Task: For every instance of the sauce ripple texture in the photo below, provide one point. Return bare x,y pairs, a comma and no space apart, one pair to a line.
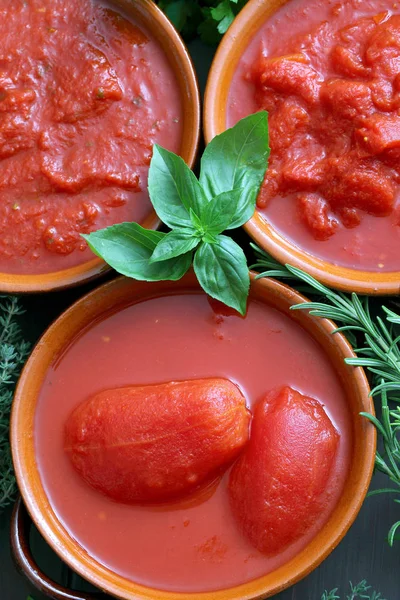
329,75
84,94
194,545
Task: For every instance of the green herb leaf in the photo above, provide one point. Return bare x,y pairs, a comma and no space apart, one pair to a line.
224,15
208,19
222,271
379,354
392,532
361,591
208,29
178,12
174,189
196,222
174,244
218,214
237,158
230,210
128,247
222,10
197,217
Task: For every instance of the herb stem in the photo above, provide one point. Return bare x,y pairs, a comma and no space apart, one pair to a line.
380,356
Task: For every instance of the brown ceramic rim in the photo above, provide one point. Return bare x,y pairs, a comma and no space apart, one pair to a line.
246,25
111,297
162,29
25,563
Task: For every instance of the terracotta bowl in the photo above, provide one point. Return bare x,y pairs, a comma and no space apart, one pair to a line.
115,295
146,12
249,21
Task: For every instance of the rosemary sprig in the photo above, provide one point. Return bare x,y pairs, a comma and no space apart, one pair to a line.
379,354
361,591
13,352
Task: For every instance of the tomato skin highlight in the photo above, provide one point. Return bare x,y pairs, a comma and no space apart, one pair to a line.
277,486
155,443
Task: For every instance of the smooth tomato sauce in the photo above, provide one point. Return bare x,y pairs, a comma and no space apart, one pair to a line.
84,94
190,546
328,74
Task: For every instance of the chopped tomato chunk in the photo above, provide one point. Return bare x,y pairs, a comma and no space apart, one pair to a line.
314,212
380,133
362,185
334,122
289,76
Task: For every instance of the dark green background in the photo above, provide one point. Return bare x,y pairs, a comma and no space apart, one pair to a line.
363,554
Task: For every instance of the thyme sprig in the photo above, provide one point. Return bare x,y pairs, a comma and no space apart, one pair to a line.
361,591
379,354
13,352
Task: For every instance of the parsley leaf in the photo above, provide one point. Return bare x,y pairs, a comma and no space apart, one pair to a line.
209,19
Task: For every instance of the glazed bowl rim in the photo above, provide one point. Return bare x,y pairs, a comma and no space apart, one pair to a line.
38,504
14,283
228,54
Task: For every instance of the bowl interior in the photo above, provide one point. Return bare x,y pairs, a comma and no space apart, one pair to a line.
148,14
249,21
118,294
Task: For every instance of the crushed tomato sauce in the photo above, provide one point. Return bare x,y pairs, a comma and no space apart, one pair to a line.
84,94
330,81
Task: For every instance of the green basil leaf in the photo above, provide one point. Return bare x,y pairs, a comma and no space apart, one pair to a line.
229,210
237,158
245,205
209,238
196,221
174,189
218,213
222,271
175,243
128,247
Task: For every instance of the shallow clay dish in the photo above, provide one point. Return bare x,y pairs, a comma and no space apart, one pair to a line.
146,12
246,25
116,295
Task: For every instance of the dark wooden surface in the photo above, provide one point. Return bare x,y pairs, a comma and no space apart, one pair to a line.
363,554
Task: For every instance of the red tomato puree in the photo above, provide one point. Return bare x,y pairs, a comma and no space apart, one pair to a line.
328,73
84,93
190,546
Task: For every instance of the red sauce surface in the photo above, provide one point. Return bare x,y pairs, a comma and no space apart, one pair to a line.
328,73
188,547
84,93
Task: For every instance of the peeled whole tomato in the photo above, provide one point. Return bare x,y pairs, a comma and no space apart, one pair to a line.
154,443
277,487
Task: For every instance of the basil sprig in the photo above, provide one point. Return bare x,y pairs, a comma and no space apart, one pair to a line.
197,211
